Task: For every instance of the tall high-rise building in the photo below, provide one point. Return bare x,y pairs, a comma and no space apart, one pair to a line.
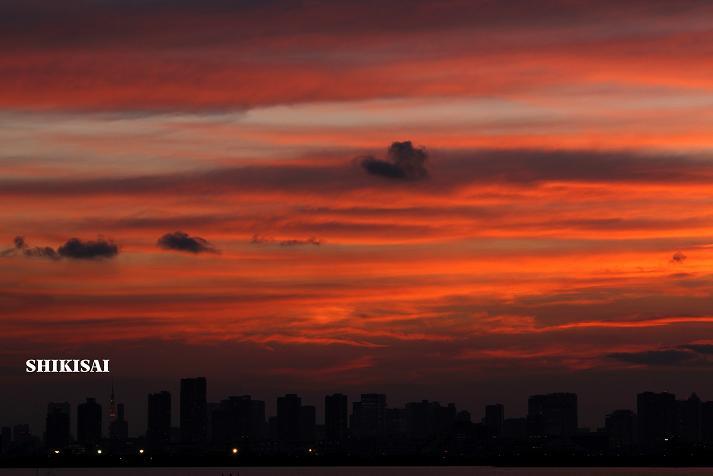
336,416
620,426
656,415
237,419
258,424
426,419
689,418
707,422
194,410
494,418
308,417
288,418
212,408
395,422
57,427
119,428
515,428
553,415
112,406
158,429
21,433
89,422
5,439
368,416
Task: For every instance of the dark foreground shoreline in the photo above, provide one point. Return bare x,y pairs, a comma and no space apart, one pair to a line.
662,461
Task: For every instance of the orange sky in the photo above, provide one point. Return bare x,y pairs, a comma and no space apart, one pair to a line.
563,226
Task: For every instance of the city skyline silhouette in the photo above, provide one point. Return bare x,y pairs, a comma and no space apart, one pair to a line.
367,427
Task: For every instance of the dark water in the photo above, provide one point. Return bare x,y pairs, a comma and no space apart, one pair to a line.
363,471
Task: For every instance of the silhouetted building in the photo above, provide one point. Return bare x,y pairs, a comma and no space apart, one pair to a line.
552,415
89,422
494,417
158,431
194,411
273,431
420,420
211,408
238,419
514,428
656,416
23,443
288,418
119,428
57,425
588,441
707,422
395,425
21,433
258,425
336,416
426,420
620,426
368,416
308,416
5,439
689,419
462,430
112,406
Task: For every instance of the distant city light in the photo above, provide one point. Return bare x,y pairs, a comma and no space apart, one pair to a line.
235,451
99,452
141,451
56,452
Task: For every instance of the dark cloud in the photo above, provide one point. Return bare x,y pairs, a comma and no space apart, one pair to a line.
41,252
682,355
181,241
75,248
383,168
404,161
35,251
657,357
22,248
8,252
678,257
704,349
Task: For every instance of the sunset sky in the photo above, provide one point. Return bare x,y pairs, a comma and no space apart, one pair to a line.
466,201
